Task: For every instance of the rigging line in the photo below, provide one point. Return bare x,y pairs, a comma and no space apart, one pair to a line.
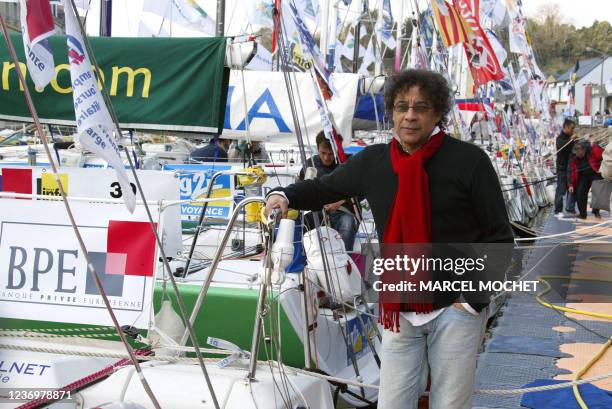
287,379
70,215
283,57
231,19
276,337
301,105
268,355
347,341
246,109
179,299
289,86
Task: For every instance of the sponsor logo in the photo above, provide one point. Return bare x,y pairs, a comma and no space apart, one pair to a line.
48,268
76,53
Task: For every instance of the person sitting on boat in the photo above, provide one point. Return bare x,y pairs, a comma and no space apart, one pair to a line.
583,171
215,151
564,145
423,187
240,152
341,214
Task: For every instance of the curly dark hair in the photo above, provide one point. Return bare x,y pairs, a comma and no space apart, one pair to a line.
432,86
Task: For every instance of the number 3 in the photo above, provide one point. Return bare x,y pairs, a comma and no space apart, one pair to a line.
117,193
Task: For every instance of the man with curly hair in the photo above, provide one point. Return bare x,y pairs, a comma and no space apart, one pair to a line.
423,187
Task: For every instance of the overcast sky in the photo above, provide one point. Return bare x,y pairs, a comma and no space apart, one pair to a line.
127,13
581,13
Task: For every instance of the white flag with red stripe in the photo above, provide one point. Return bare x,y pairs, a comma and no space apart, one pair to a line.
36,27
94,123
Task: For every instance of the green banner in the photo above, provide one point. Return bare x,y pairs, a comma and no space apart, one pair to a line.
154,83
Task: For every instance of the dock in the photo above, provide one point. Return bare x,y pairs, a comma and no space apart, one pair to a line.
527,341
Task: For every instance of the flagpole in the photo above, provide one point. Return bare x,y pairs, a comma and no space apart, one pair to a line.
398,36
167,268
90,266
356,38
220,18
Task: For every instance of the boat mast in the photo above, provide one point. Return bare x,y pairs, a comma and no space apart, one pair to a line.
379,43
220,18
324,4
106,17
356,41
398,39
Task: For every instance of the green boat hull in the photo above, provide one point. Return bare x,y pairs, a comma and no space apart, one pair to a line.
227,313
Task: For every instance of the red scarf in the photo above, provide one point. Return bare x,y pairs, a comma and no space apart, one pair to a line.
409,221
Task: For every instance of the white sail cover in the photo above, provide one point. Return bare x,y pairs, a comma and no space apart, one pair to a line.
269,110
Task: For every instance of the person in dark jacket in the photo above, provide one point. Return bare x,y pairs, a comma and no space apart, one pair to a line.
423,187
564,145
215,151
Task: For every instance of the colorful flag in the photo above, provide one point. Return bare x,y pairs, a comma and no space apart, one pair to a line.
261,12
517,37
309,47
492,13
388,23
418,59
453,29
427,28
94,124
496,45
481,57
182,12
307,13
36,27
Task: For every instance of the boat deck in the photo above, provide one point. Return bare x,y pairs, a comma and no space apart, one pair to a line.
528,341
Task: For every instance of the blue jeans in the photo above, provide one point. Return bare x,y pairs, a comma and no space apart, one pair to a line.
448,345
346,225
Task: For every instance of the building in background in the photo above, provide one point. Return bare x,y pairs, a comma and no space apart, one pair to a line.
590,95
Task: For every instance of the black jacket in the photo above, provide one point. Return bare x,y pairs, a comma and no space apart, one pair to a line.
467,204
564,150
209,153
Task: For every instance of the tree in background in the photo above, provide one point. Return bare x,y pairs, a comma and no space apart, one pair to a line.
558,44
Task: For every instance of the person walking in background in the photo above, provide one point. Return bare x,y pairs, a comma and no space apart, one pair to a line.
564,145
582,175
606,166
595,160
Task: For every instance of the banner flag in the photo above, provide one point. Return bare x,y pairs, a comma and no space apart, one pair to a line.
453,29
37,26
482,60
94,124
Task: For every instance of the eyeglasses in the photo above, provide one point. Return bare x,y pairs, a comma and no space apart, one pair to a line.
418,108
